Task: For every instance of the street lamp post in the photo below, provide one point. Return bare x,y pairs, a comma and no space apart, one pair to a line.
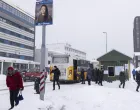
106,40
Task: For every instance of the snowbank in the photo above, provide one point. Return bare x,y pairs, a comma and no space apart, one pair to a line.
2,81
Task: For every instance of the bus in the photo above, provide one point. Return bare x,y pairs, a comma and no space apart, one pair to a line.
69,67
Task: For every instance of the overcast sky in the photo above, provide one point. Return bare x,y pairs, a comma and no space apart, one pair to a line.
82,23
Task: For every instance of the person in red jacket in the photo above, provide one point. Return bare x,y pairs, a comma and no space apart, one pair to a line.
15,84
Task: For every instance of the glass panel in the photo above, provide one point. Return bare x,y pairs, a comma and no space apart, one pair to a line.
60,59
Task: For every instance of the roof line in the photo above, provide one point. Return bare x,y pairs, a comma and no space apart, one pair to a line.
18,8
111,51
105,54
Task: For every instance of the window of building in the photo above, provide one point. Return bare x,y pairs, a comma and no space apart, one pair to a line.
137,20
1,4
6,41
139,58
16,25
22,57
13,10
15,34
4,6
138,42
1,40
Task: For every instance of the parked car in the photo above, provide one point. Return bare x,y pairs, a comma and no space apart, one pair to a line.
32,74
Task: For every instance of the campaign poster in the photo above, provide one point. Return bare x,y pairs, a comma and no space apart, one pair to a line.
44,12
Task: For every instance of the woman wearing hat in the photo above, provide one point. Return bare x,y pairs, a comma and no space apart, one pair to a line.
14,83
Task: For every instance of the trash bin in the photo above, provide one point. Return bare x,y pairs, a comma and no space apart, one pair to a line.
36,85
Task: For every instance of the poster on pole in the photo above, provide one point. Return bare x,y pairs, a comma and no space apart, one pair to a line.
44,12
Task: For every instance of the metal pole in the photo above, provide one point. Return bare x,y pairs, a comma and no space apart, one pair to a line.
106,40
43,55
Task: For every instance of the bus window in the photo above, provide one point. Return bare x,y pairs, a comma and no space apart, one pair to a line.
60,60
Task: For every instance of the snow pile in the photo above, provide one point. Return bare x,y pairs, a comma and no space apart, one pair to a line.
2,81
2,77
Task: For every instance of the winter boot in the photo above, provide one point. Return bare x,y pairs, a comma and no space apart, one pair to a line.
16,102
119,86
137,90
11,108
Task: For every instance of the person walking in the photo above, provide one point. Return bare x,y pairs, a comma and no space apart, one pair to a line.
93,75
96,75
122,78
89,76
101,75
82,76
138,80
57,73
15,84
134,74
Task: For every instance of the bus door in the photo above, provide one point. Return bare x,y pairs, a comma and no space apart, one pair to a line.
75,69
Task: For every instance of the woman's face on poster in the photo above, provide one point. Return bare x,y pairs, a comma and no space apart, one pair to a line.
43,10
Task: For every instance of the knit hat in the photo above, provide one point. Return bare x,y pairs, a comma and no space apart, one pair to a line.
10,68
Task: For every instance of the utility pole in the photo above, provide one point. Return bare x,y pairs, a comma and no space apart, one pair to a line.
106,40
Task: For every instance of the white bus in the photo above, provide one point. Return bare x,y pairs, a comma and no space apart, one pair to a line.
69,67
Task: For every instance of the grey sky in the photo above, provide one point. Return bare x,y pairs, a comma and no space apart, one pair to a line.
81,23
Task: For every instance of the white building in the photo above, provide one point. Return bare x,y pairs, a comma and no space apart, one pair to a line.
60,49
17,36
67,49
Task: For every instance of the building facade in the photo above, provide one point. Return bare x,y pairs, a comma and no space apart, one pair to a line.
67,49
17,37
59,49
113,63
136,41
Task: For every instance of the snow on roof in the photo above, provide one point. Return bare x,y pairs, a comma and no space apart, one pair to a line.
56,52
18,8
17,60
95,61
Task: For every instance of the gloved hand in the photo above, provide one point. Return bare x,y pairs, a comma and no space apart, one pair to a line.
22,89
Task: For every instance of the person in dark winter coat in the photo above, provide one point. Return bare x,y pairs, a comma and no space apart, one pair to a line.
134,74
89,76
122,78
37,85
96,75
138,80
101,75
82,76
57,73
93,75
15,84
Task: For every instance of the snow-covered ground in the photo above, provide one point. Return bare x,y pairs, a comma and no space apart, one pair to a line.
78,97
